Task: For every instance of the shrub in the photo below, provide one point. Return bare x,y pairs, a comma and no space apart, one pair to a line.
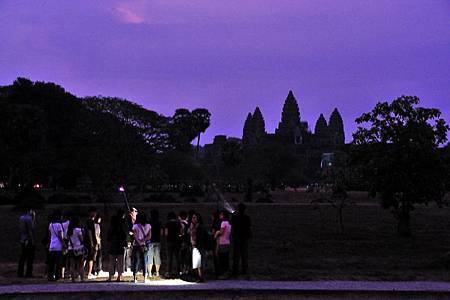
61,198
5,200
192,191
161,197
190,200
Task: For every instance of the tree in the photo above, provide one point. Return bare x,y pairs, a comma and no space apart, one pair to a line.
201,119
398,151
152,126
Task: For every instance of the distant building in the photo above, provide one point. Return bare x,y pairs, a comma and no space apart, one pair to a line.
291,129
315,151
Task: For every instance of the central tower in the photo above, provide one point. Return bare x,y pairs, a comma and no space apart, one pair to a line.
290,127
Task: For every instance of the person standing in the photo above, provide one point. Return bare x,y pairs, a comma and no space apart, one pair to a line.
130,220
142,233
56,247
185,244
98,265
90,242
27,242
198,236
64,259
75,247
241,233
223,240
154,247
172,232
117,238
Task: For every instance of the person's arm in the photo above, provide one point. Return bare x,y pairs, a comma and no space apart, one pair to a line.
149,234
221,231
29,225
80,237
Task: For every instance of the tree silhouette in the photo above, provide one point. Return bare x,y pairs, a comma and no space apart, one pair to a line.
398,150
201,119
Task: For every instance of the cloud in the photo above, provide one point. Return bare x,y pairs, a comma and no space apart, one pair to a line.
128,13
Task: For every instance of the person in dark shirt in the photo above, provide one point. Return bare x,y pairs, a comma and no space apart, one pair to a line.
241,233
129,220
198,235
172,232
27,242
185,244
90,242
154,251
117,240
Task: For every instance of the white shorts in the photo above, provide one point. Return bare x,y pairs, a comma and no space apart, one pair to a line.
196,259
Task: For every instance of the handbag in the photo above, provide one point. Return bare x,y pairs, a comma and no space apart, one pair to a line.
78,252
145,247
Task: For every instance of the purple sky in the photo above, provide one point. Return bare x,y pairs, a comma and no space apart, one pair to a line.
230,56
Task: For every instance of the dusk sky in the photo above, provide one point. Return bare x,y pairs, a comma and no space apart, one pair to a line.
231,56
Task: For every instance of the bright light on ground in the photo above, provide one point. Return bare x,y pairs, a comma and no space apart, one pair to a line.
166,282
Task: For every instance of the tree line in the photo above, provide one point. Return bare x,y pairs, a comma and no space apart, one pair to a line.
53,137
50,136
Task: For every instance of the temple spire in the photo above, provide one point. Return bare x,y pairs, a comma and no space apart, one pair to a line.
336,128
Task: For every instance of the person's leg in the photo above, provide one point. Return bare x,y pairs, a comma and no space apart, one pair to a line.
22,258
119,266
226,260
74,266
222,260
30,260
169,260
112,264
216,261
143,258
135,260
201,268
99,261
244,257
78,264
63,264
51,265
150,257
91,261
58,264
157,257
236,257
129,257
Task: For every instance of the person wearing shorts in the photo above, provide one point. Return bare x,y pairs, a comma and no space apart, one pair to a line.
154,247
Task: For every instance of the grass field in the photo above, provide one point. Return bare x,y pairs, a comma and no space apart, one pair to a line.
297,241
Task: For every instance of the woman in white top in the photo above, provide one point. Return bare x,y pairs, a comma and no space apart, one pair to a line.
75,254
55,248
142,234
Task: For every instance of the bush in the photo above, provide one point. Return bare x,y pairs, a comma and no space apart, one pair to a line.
161,197
84,199
61,198
29,198
266,198
192,191
5,200
190,200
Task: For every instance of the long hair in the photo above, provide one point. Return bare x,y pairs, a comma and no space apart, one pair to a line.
74,223
141,218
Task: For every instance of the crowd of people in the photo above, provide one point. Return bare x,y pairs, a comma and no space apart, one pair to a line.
135,243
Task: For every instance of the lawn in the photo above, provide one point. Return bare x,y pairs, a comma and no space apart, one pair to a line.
293,240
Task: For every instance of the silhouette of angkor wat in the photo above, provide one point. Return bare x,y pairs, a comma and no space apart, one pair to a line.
313,150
